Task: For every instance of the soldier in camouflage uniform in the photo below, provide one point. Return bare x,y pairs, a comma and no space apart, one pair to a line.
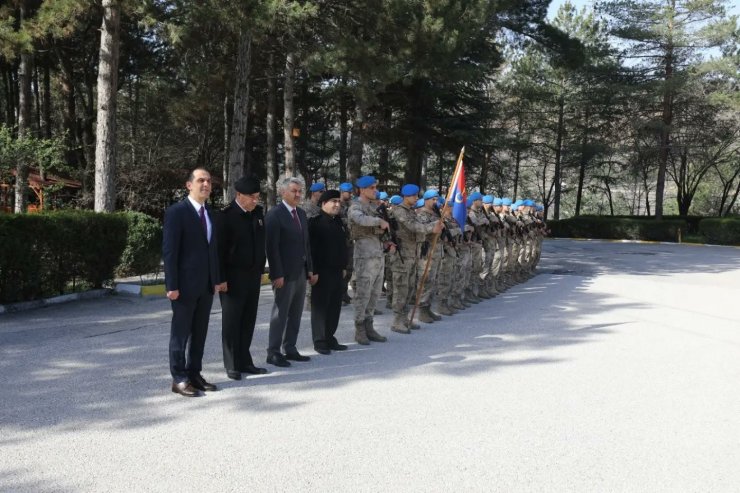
474,291
489,246
411,235
367,228
495,230
499,261
394,201
427,215
345,190
449,271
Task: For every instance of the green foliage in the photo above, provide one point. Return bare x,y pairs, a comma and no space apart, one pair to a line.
46,153
721,231
143,245
45,254
618,228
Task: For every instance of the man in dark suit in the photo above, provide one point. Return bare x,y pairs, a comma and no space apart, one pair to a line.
189,251
329,253
289,258
241,242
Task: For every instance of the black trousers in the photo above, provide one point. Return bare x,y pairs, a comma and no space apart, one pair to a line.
326,305
188,335
239,313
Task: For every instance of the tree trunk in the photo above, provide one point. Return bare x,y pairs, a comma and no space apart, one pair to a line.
665,131
105,148
36,100
239,122
46,103
384,154
518,154
343,131
485,167
9,84
558,158
24,122
582,162
289,114
272,167
357,141
440,172
227,143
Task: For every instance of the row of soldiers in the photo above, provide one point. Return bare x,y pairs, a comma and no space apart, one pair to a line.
394,240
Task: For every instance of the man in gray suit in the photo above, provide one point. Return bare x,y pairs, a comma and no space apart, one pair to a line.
289,257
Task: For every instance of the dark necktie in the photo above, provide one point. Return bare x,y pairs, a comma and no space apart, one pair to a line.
203,220
296,220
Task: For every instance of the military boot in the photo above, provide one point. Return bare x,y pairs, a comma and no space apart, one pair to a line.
411,325
425,315
399,324
458,305
443,308
370,331
361,334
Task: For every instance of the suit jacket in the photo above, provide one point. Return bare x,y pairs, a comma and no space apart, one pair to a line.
241,241
190,261
288,248
328,242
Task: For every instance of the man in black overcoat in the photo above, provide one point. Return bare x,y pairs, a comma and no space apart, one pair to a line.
242,262
329,253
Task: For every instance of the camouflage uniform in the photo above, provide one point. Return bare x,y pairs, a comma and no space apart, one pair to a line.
425,216
410,234
474,288
489,248
343,211
449,269
461,288
369,263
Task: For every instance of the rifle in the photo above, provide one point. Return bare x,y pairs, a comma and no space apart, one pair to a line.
446,232
476,231
392,228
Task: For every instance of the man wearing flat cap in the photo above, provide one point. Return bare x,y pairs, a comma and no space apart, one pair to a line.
242,262
329,253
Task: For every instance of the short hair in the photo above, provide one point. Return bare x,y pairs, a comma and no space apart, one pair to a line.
191,176
285,183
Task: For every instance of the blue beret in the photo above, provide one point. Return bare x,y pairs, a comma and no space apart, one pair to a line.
514,206
506,201
488,199
529,203
383,196
517,203
396,200
365,181
419,204
539,207
317,187
430,194
497,201
476,196
345,187
409,189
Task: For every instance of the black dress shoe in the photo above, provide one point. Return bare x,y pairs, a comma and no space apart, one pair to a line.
255,370
278,360
234,375
200,383
186,389
322,350
297,357
338,347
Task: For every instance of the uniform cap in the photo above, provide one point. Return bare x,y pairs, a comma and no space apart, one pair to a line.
506,201
430,194
329,195
345,187
383,196
498,201
409,189
419,204
514,206
476,196
247,185
488,199
317,187
365,181
529,203
396,200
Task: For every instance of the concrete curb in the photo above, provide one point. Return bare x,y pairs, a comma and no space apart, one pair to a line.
56,300
647,242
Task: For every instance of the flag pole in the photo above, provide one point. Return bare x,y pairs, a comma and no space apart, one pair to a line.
420,288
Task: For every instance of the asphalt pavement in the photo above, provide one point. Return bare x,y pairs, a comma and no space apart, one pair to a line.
616,368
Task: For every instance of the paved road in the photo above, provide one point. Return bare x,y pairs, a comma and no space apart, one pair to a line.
615,369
